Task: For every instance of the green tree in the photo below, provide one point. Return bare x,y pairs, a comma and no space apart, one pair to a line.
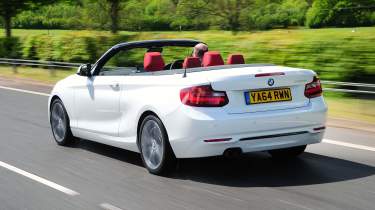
147,14
114,10
228,11
159,14
113,6
296,11
351,13
96,14
56,16
269,16
135,13
225,12
317,15
340,13
10,8
189,15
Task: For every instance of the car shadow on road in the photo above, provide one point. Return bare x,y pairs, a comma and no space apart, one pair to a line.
251,170
109,151
259,170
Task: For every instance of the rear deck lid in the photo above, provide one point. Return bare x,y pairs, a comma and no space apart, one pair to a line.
266,88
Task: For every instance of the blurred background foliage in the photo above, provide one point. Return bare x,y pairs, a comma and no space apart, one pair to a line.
335,53
146,15
300,33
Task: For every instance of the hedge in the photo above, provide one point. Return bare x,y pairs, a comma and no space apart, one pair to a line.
69,47
10,47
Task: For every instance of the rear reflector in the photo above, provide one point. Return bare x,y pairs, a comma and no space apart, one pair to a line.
270,74
203,96
319,128
217,140
314,88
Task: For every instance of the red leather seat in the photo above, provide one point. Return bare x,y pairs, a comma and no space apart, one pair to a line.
212,58
235,59
153,61
191,62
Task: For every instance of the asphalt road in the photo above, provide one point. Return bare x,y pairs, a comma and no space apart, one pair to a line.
327,176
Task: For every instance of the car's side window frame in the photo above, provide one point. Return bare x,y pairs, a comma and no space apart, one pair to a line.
100,64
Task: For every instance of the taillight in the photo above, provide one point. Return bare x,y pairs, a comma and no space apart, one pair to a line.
314,88
270,74
203,96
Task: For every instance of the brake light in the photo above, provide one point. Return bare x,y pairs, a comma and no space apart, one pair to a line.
217,140
203,96
314,88
270,74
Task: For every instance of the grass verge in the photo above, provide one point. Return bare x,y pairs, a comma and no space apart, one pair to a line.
37,74
351,109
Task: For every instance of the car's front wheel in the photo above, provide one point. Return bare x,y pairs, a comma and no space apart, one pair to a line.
60,125
287,152
156,152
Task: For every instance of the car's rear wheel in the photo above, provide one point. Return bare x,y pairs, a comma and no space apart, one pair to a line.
59,121
287,152
156,152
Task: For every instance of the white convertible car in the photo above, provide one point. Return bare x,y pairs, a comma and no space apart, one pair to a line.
133,99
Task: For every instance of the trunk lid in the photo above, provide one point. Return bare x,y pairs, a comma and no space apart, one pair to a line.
248,83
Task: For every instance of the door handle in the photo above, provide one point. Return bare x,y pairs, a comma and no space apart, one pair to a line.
115,86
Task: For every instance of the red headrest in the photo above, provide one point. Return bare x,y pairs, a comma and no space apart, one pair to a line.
212,58
191,62
235,59
153,61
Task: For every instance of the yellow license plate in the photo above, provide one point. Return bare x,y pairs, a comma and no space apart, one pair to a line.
268,96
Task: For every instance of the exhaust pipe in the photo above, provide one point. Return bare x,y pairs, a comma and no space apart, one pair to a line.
233,152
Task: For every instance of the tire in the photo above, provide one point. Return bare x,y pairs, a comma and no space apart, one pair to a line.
60,124
157,154
287,153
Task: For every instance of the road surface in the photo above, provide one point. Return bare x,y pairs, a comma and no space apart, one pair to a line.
35,173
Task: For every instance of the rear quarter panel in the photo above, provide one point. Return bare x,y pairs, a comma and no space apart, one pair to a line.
159,94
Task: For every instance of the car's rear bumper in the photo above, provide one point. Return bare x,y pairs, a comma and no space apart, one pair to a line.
251,132
203,149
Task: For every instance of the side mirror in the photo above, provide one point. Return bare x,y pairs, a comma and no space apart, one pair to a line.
85,70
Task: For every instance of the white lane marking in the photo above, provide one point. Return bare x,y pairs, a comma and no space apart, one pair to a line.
24,91
39,179
108,206
345,144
